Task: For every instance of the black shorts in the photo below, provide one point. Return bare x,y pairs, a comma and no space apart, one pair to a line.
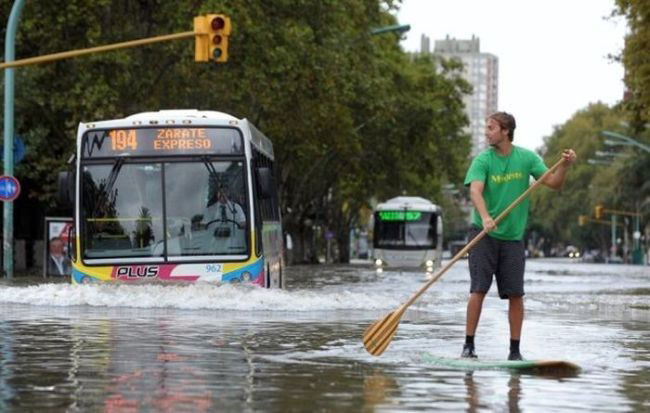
504,259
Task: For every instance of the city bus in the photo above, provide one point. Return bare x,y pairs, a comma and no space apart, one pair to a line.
407,233
174,195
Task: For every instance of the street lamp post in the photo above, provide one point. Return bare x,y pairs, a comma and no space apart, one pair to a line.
618,139
399,28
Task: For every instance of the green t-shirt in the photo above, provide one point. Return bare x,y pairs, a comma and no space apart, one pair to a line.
505,178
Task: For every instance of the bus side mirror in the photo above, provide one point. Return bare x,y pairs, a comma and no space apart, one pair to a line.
66,189
72,244
264,179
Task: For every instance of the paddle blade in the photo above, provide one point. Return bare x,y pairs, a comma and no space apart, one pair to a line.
377,337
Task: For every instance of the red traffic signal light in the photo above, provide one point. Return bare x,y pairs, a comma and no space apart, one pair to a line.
217,23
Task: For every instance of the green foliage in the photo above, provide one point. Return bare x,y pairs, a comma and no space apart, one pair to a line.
621,185
636,58
351,115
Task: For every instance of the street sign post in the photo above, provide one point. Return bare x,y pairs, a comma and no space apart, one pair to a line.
9,188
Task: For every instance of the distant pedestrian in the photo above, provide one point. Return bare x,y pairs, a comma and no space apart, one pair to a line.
496,177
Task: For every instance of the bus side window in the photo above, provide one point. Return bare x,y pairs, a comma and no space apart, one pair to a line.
431,236
264,182
257,206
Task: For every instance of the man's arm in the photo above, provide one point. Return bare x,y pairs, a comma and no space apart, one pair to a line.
556,179
476,195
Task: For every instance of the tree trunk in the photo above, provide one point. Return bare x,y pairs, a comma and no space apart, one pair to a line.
343,242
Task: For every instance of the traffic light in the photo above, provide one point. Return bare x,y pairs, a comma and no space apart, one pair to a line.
218,32
582,220
201,38
211,34
598,211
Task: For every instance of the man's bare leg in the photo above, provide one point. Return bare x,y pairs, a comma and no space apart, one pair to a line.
516,319
516,316
474,306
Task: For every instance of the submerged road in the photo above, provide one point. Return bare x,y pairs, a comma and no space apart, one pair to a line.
194,348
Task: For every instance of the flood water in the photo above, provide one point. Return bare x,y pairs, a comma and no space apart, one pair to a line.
201,348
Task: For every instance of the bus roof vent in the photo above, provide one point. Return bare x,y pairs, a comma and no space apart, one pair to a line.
164,115
407,202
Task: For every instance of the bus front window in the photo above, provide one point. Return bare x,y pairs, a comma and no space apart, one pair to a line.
405,231
122,210
421,233
206,208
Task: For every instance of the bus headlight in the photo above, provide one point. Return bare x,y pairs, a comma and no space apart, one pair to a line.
378,262
429,269
380,270
429,264
246,276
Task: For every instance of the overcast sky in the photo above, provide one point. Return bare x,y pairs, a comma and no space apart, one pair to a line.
552,54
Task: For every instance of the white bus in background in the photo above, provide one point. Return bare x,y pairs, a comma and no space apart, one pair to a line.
407,234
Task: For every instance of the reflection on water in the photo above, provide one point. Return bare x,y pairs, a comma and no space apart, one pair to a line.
376,390
204,348
474,396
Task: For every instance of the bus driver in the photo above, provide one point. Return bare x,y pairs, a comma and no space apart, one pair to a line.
224,210
225,220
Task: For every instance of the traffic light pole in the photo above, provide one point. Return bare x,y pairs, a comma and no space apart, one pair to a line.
98,49
8,207
599,211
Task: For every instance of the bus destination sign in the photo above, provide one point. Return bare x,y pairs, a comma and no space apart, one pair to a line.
161,142
400,215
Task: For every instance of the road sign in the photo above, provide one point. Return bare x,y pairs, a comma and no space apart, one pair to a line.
9,188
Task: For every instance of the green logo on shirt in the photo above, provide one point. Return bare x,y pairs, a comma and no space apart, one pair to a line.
500,179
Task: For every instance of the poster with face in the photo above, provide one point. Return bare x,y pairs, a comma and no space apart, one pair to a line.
57,261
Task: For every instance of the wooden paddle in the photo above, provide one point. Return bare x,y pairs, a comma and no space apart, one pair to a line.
379,334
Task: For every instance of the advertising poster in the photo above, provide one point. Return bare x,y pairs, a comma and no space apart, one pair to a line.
57,258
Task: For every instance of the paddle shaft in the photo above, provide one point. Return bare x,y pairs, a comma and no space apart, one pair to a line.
477,238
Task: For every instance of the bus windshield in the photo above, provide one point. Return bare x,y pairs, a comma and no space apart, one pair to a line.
405,230
164,210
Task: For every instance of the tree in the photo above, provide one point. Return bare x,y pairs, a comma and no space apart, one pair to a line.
636,59
351,116
556,214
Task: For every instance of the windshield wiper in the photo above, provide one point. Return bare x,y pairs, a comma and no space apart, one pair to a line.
108,188
210,167
417,243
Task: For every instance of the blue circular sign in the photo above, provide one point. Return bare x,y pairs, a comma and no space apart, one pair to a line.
9,188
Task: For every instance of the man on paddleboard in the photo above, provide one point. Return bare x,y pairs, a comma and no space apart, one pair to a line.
496,177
